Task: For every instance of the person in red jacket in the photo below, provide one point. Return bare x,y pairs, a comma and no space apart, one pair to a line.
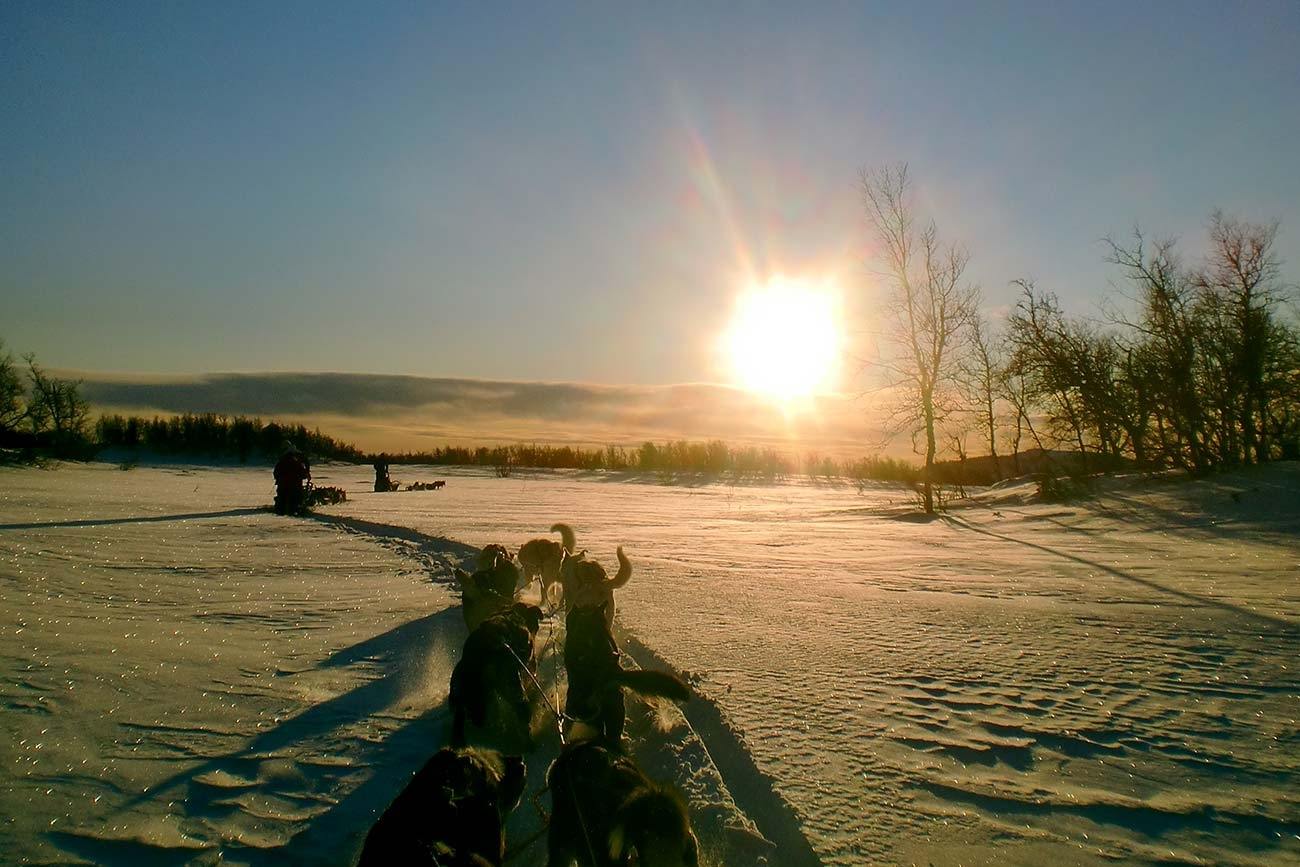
292,473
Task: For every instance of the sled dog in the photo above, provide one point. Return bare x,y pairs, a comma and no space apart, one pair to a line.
489,687
597,679
542,558
607,813
585,583
490,590
488,556
452,812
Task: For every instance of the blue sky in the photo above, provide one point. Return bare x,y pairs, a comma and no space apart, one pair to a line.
559,192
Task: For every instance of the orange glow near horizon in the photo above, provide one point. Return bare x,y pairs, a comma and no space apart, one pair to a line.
784,341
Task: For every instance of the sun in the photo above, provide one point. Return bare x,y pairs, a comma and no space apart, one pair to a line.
784,340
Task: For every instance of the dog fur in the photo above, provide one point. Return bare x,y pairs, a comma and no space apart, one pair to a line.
452,812
607,813
586,584
490,553
597,678
488,687
543,558
490,590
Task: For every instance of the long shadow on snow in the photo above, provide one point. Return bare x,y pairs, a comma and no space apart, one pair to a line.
1265,832
128,853
427,545
403,653
1280,522
340,830
140,519
1287,627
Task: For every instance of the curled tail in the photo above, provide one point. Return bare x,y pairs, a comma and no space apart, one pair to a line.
566,535
624,570
656,683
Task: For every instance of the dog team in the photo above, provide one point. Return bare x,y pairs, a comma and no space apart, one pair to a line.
605,812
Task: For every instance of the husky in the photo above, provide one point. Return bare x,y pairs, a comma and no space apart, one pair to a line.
607,813
597,679
490,554
585,583
490,590
543,558
488,684
452,812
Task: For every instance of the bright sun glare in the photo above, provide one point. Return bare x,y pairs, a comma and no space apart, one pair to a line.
784,340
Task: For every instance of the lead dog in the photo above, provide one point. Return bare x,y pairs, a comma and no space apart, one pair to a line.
452,812
607,813
542,558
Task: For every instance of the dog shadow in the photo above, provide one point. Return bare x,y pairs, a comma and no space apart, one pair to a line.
359,742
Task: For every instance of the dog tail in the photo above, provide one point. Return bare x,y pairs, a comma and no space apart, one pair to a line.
624,570
566,534
656,683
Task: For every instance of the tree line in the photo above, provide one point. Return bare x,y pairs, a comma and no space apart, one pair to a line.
45,415
713,457
1197,367
215,435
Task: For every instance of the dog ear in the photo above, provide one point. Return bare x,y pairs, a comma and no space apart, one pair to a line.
461,575
512,783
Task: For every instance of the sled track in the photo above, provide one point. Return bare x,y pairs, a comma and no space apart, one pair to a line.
752,790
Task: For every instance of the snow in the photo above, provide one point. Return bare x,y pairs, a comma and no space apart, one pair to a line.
1017,682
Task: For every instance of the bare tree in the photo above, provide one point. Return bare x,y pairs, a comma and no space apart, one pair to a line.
1070,369
1240,279
1016,390
930,306
56,406
12,408
1166,360
981,374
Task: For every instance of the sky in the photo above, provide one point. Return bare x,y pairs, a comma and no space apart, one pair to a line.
578,192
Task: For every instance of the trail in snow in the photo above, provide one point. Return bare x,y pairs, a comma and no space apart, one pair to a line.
1021,683
264,696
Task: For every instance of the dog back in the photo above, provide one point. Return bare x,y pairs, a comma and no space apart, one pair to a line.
605,809
451,812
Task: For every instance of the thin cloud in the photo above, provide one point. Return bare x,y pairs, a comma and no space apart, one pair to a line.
397,412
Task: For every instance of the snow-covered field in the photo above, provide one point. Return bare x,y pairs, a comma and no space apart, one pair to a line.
187,679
